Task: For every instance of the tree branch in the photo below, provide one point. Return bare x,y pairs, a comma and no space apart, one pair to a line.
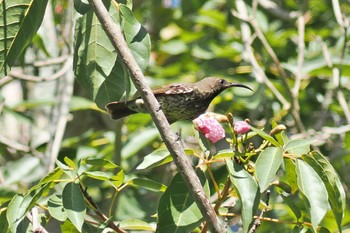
171,140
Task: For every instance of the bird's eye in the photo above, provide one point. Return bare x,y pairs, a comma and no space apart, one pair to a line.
222,81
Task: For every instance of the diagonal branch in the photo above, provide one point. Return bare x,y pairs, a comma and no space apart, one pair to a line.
171,140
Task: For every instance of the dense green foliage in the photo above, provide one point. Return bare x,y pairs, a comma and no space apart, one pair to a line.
67,167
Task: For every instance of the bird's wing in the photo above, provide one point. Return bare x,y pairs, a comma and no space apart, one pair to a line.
173,89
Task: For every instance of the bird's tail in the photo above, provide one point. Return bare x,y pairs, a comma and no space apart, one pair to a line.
118,110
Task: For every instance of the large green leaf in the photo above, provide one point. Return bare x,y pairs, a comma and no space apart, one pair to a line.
95,60
267,165
177,210
332,182
20,20
136,36
74,204
55,208
311,185
97,66
247,189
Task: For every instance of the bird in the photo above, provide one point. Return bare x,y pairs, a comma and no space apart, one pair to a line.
179,101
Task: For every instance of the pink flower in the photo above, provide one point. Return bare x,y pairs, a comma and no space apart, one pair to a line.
241,127
210,127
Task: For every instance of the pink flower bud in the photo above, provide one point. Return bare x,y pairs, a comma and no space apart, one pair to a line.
210,127
241,127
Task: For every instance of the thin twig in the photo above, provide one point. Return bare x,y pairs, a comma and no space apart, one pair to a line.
13,144
98,212
17,74
63,111
170,139
249,54
279,12
257,222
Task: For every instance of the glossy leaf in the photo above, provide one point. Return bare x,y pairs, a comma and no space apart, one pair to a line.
332,182
136,36
247,189
95,60
147,184
74,204
266,137
21,21
155,159
15,212
267,165
100,163
291,174
311,185
298,146
55,208
177,210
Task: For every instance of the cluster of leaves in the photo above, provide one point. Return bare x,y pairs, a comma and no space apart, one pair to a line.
190,41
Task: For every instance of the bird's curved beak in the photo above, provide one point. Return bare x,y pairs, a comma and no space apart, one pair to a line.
239,85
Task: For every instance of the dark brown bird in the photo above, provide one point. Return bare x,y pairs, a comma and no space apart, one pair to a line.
181,101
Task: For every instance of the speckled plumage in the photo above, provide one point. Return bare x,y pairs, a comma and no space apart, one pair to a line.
182,101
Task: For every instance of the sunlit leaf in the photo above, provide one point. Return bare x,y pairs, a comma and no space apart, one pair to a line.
314,190
332,182
147,184
267,165
21,20
247,189
298,146
177,210
74,204
55,208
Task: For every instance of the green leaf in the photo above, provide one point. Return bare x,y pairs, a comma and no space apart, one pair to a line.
290,202
15,212
116,179
136,36
139,141
291,174
100,163
298,146
135,225
332,182
267,165
226,153
74,204
55,208
266,137
95,60
78,103
147,184
68,227
21,20
177,210
4,226
311,185
247,189
20,205
155,159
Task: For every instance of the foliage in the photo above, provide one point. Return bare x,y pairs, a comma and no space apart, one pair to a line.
66,167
